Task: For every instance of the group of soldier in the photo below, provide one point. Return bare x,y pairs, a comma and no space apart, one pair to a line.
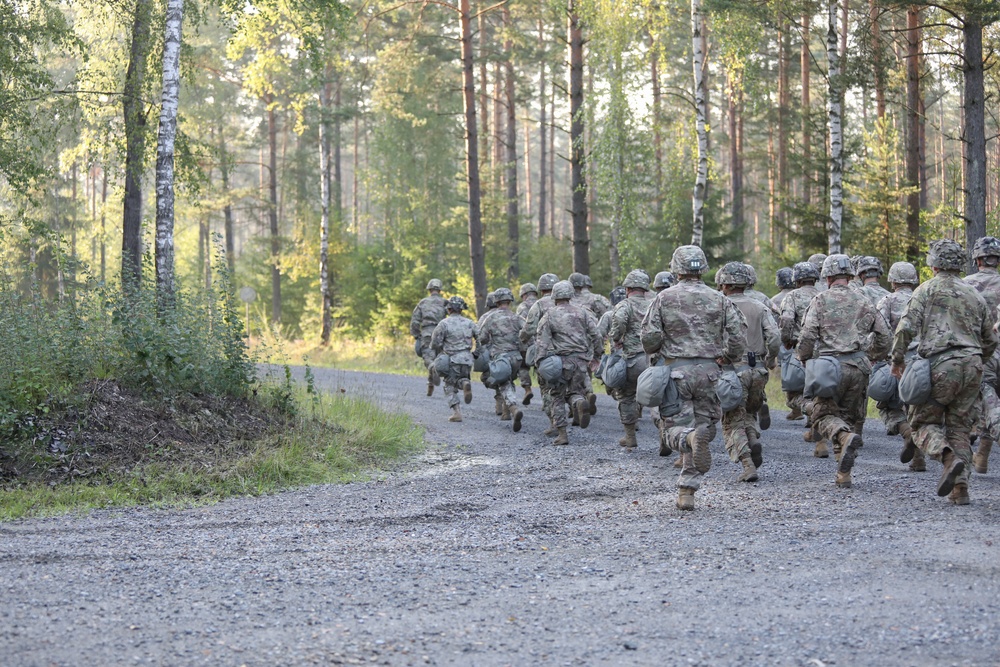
831,315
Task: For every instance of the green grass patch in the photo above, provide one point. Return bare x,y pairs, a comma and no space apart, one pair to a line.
776,397
378,355
331,439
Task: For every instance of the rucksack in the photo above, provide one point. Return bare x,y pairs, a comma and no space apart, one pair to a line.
822,377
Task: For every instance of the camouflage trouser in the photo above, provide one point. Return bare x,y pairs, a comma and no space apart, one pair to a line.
506,391
793,399
453,380
739,426
846,410
948,419
990,422
569,391
628,409
892,413
427,354
524,375
696,387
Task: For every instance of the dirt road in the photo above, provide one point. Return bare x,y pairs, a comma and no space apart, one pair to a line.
495,548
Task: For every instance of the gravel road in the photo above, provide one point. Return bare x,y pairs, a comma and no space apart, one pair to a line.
494,548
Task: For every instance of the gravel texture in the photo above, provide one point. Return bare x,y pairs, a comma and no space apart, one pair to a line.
494,548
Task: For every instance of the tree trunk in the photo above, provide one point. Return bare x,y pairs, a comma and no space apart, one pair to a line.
326,196
104,224
476,255
581,242
167,135
484,110
877,64
272,210
654,72
528,195
513,217
355,223
701,119
805,62
833,108
543,144
735,175
338,174
499,133
227,209
784,103
913,131
974,136
135,141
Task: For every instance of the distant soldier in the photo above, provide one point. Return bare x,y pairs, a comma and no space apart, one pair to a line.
426,316
663,280
793,313
986,253
499,334
954,329
903,278
869,271
529,333
842,323
693,328
817,261
784,281
453,336
754,294
491,306
625,333
599,304
739,426
618,294
528,295
569,332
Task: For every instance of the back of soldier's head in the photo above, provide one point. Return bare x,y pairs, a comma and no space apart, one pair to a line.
805,272
689,260
547,281
784,278
903,273
946,255
986,251
563,290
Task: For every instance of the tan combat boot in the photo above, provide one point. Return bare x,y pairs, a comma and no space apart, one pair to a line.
756,452
518,416
701,456
960,494
591,404
665,448
430,388
980,460
628,441
807,435
467,391
919,463
528,395
821,451
499,406
505,413
844,480
953,467
551,431
794,415
764,417
434,377
685,499
850,443
582,410
563,438
456,415
749,469
909,447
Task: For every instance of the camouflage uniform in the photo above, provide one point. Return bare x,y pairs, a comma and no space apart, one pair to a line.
625,333
690,326
986,254
843,324
784,280
793,313
870,269
453,336
528,298
426,316
954,328
500,335
529,331
571,333
903,276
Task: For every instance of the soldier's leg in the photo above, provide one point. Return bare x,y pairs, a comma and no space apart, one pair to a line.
524,377
854,397
989,430
734,434
693,428
963,414
428,356
793,399
578,380
628,412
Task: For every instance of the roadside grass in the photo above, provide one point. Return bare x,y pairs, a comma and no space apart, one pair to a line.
776,397
378,355
330,439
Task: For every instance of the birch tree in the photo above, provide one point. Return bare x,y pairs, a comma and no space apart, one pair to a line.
167,135
135,142
701,120
581,241
833,108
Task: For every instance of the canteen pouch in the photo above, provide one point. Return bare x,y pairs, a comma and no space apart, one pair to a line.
793,374
656,389
882,386
729,389
550,369
822,377
915,385
442,364
501,371
615,373
529,355
418,347
482,360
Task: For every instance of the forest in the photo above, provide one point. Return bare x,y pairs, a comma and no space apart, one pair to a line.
334,156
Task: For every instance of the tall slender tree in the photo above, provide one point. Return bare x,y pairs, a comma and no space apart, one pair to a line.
167,136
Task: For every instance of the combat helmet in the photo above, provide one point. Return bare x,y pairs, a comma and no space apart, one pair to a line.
663,280
587,282
817,260
903,273
805,271
563,290
434,283
546,281
617,295
867,265
503,294
689,260
751,274
577,279
491,301
837,265
784,278
456,304
988,246
527,288
733,273
636,279
946,255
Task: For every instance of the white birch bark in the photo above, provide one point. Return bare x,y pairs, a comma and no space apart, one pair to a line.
701,118
325,202
166,137
834,108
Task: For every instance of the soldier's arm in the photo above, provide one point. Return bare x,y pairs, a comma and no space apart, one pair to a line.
881,340
651,332
786,322
544,338
989,335
596,340
619,322
809,334
415,321
772,337
735,327
531,324
909,326
437,338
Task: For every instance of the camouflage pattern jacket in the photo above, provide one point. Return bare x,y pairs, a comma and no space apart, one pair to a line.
529,332
569,331
453,336
499,332
793,313
426,316
777,299
892,306
762,334
949,317
626,324
595,303
874,293
842,321
525,306
763,298
692,320
987,283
